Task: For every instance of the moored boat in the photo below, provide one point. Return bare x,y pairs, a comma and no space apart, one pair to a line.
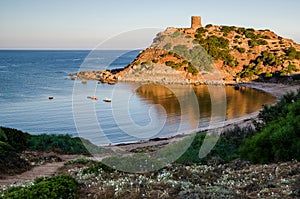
107,99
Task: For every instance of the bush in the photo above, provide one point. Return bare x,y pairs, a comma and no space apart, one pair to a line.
208,25
241,50
175,34
227,147
265,37
279,136
250,34
217,48
192,69
167,46
268,58
60,143
15,138
78,161
62,186
181,50
173,65
97,168
200,31
268,75
227,29
261,42
291,68
250,70
155,61
241,31
292,53
147,63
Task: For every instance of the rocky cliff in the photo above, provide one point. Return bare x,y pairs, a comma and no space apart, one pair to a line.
209,54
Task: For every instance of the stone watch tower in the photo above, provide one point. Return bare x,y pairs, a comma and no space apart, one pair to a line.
196,22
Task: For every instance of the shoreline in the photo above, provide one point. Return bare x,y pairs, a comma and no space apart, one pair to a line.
275,89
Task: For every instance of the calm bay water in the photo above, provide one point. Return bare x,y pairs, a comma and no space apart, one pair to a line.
137,112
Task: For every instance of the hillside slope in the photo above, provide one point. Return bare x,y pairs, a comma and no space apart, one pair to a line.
210,53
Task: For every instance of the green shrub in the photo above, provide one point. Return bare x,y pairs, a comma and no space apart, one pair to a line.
15,138
155,61
279,139
137,63
181,50
227,147
291,68
216,47
62,186
268,58
241,31
261,42
250,35
170,63
78,161
252,43
192,69
208,25
174,65
199,57
250,70
167,46
3,136
241,50
175,34
280,109
201,30
147,63
265,37
60,143
292,53
227,29
268,75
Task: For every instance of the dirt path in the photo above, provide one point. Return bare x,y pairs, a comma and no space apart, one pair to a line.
39,171
44,170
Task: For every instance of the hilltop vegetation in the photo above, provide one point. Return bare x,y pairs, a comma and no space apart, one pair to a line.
239,53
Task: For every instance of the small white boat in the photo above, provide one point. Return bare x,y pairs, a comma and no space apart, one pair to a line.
107,99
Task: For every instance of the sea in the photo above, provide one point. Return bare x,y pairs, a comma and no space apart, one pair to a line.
137,111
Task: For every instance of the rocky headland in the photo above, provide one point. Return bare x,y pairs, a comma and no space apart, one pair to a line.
212,54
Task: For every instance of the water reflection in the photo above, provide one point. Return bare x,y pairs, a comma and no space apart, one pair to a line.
141,112
239,102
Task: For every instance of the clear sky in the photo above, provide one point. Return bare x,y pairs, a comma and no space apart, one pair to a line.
83,24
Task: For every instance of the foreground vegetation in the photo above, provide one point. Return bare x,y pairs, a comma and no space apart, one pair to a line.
13,142
227,172
62,186
276,139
